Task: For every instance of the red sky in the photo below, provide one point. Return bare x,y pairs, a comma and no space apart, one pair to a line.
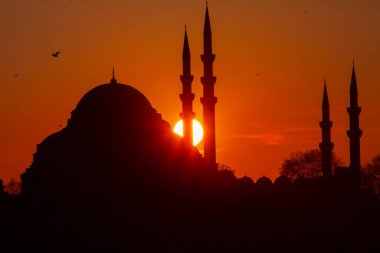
271,59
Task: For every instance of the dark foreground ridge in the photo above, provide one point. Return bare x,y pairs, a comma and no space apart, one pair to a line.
116,179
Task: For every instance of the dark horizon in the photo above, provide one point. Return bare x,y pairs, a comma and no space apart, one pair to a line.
270,71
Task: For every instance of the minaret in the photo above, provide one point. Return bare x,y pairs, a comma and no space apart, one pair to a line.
326,145
355,132
208,100
187,96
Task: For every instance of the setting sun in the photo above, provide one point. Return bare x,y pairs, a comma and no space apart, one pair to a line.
197,131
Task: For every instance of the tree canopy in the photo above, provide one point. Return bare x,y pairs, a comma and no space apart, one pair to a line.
305,164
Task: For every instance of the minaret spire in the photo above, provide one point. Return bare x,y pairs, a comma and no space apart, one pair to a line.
326,145
113,79
353,88
354,133
208,100
187,96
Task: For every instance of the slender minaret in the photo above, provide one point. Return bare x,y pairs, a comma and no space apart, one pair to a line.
355,132
187,96
208,100
326,145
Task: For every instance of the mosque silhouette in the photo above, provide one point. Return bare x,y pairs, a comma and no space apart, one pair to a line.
117,179
113,139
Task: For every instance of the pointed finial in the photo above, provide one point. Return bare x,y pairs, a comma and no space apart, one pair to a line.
353,85
186,48
353,76
325,99
353,67
113,80
207,26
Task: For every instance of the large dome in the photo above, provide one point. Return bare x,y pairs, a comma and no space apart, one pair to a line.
114,140
116,93
111,102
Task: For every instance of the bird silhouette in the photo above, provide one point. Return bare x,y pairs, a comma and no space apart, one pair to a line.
55,54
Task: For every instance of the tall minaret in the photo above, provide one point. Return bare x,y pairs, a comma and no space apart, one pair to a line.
355,132
326,145
208,100
187,96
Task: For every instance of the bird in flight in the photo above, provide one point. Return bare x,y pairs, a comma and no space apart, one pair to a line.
55,54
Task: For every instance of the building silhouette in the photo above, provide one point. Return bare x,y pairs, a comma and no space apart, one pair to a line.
208,100
187,96
326,145
117,179
349,176
114,141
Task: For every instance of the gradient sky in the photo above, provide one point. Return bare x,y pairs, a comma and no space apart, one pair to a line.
271,59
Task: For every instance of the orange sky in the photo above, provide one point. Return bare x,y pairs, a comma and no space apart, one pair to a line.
271,58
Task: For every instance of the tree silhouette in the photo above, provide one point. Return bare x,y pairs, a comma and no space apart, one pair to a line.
306,164
374,165
13,187
224,167
371,175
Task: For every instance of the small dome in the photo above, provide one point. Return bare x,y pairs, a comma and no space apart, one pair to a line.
263,181
245,180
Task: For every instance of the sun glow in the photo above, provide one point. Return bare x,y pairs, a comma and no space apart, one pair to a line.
197,131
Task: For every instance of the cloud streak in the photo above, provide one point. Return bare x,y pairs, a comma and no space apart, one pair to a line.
264,139
279,135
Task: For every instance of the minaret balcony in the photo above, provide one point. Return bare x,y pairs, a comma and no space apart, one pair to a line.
208,58
209,100
185,79
354,110
208,80
355,133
